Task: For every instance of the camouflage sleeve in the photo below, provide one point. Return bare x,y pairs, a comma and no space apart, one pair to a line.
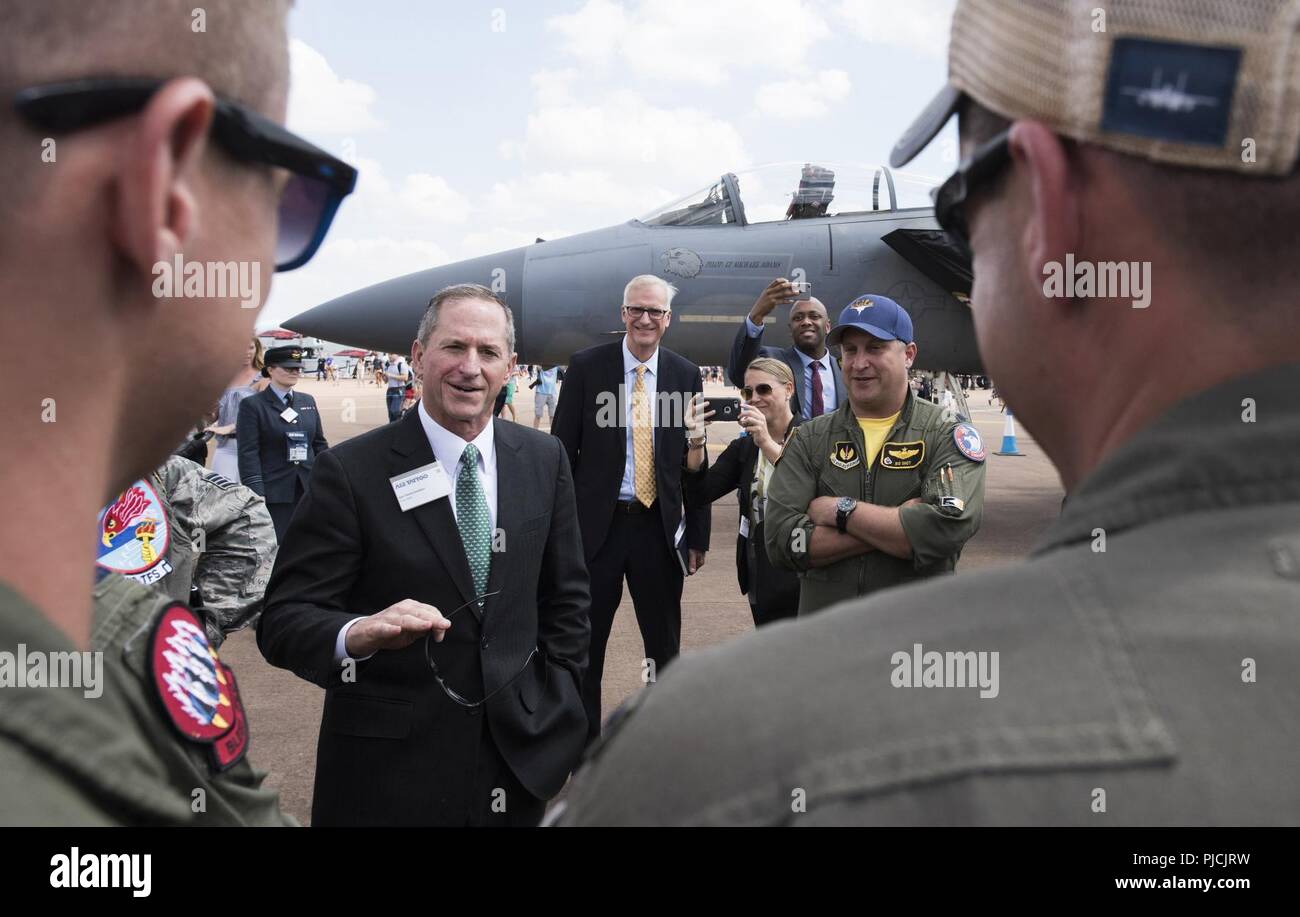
231,529
949,512
786,526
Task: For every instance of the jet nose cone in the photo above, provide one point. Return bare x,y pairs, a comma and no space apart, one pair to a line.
385,316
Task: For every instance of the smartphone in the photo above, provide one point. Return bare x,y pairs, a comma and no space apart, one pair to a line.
802,290
725,409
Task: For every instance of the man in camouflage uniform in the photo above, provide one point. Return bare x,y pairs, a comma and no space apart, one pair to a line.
220,544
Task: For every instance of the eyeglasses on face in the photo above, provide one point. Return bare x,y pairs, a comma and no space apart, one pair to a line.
762,390
317,184
637,311
980,167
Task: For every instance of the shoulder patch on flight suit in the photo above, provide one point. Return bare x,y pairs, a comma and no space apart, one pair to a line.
902,456
135,535
968,441
197,692
844,455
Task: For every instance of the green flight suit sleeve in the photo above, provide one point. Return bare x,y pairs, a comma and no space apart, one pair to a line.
786,526
937,528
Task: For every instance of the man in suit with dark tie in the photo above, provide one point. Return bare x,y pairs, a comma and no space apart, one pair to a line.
432,582
622,419
280,434
818,383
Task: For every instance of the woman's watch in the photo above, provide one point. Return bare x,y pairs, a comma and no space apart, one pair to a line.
844,508
697,443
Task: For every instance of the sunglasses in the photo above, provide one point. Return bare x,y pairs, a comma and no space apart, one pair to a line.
452,693
762,390
980,167
317,184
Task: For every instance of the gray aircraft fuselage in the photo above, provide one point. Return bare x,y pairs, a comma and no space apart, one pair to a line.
565,294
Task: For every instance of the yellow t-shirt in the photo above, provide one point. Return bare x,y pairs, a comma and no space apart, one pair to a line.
874,432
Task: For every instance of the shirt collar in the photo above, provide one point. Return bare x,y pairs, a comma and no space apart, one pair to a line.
280,392
448,446
1197,456
805,359
630,363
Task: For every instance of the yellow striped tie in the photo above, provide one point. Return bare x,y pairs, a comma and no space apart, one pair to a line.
643,450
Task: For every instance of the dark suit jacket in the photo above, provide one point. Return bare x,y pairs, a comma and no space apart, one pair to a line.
264,465
734,472
393,748
598,449
745,350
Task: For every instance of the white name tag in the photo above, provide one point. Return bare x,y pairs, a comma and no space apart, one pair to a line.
289,415
418,487
744,526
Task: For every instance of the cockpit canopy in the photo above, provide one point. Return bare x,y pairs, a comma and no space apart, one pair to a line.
796,191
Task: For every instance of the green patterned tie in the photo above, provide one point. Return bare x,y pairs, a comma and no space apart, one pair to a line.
473,520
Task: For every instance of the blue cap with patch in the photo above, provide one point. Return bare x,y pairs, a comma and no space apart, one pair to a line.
1212,85
878,316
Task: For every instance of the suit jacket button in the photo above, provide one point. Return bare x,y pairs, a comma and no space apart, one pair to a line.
484,644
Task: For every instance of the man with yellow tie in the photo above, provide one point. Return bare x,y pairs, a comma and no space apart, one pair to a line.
622,418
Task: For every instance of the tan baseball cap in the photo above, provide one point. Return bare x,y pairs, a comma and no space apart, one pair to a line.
1213,84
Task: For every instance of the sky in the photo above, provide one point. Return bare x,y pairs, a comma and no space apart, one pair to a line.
481,126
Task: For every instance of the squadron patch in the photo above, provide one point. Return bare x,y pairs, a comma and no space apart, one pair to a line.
844,455
968,442
902,456
134,535
196,690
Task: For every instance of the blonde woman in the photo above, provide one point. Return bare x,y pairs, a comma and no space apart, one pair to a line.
745,467
248,381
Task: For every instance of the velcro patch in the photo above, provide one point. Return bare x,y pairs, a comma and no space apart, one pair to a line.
968,442
844,455
902,456
195,689
1170,91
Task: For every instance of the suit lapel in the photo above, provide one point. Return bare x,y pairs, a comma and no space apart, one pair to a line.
840,394
512,496
796,366
614,379
435,518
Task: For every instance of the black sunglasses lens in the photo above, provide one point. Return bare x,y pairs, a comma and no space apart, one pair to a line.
302,207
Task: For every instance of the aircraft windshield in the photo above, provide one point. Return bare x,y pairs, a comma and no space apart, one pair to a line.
799,191
710,205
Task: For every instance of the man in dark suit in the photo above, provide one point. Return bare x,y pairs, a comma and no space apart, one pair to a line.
280,435
432,582
622,419
818,383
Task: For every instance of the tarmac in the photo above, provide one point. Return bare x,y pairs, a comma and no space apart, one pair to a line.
1022,497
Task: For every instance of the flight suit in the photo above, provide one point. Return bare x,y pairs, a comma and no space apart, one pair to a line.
826,457
207,531
276,454
1148,658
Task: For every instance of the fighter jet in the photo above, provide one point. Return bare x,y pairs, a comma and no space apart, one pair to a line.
847,230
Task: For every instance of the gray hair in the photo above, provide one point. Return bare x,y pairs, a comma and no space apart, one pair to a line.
463,291
651,280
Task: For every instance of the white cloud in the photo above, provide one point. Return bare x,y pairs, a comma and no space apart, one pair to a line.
918,25
798,100
689,42
322,102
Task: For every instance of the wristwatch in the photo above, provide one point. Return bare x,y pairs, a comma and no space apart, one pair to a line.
844,508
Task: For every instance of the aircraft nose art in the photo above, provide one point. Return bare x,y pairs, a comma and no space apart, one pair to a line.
385,316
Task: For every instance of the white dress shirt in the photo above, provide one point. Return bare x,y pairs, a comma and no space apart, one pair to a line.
829,401
627,490
448,448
